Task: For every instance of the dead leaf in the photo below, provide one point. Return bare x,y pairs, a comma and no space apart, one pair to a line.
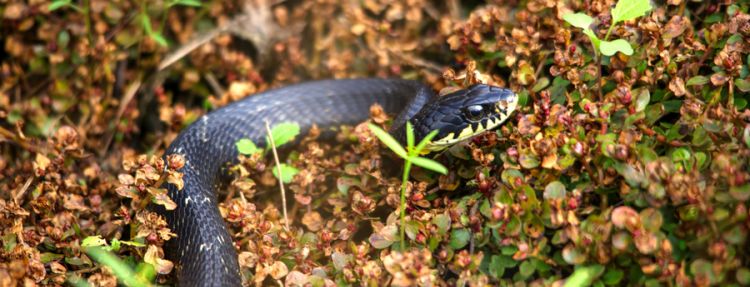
677,86
154,256
313,221
278,270
14,11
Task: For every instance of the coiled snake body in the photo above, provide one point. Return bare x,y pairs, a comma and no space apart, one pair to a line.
203,248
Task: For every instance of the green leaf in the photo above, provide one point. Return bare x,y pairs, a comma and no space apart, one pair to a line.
592,36
527,268
734,39
159,38
508,250
613,276
626,10
58,4
700,159
740,103
192,3
459,238
429,164
133,243
9,241
523,98
496,267
542,83
609,48
427,139
554,190
283,133
146,24
743,276
118,267
287,172
642,100
584,276
680,154
740,193
697,81
579,20
115,245
742,85
48,257
91,241
713,18
247,147
344,183
388,140
732,10
409,135
442,222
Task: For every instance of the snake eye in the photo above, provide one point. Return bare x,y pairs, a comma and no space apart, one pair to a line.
474,113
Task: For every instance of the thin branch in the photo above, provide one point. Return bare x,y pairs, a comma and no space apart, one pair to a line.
15,139
188,47
22,191
416,61
214,84
278,170
126,98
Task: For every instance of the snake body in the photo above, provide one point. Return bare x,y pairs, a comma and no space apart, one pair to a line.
203,250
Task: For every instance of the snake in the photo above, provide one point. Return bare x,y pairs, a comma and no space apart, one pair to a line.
202,250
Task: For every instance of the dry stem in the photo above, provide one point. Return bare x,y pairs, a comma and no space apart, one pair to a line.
278,171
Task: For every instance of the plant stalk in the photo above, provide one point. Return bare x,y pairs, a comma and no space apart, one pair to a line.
599,74
278,170
609,31
405,178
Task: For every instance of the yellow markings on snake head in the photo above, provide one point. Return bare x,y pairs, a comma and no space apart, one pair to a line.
503,109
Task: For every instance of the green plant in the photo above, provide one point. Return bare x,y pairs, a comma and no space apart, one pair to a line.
98,241
282,134
145,19
83,9
97,248
410,154
584,275
623,11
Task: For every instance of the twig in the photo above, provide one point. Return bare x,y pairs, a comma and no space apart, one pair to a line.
278,170
416,61
19,193
13,138
214,84
126,98
188,47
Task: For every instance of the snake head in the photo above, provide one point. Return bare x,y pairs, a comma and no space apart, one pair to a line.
462,114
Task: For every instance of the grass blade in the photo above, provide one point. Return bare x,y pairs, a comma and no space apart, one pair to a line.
427,139
388,140
409,135
429,164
